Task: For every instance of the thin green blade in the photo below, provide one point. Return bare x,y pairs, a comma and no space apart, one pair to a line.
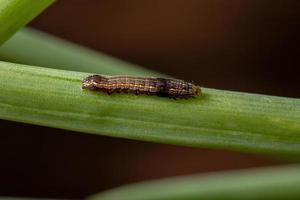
14,14
255,184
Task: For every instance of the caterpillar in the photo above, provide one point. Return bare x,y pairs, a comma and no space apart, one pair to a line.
165,87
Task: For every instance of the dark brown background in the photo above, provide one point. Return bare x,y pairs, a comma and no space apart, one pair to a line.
249,45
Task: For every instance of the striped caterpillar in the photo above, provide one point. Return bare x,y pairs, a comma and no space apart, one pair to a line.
172,88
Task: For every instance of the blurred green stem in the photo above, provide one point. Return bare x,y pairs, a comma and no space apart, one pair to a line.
259,184
32,47
14,14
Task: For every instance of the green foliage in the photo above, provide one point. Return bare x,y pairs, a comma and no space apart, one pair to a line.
48,51
219,119
16,13
259,184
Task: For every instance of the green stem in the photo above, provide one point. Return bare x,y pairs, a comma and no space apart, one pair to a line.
14,14
259,184
32,47
219,119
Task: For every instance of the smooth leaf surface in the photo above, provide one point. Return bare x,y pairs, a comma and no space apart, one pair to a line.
14,14
255,184
219,119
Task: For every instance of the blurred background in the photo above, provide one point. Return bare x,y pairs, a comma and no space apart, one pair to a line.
249,46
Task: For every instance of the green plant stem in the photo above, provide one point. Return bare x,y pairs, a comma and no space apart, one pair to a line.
219,119
32,47
14,14
259,184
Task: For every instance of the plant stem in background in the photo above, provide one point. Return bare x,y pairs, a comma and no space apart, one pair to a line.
259,184
32,47
14,14
219,119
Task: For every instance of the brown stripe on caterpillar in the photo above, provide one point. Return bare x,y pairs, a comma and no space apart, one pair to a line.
172,88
